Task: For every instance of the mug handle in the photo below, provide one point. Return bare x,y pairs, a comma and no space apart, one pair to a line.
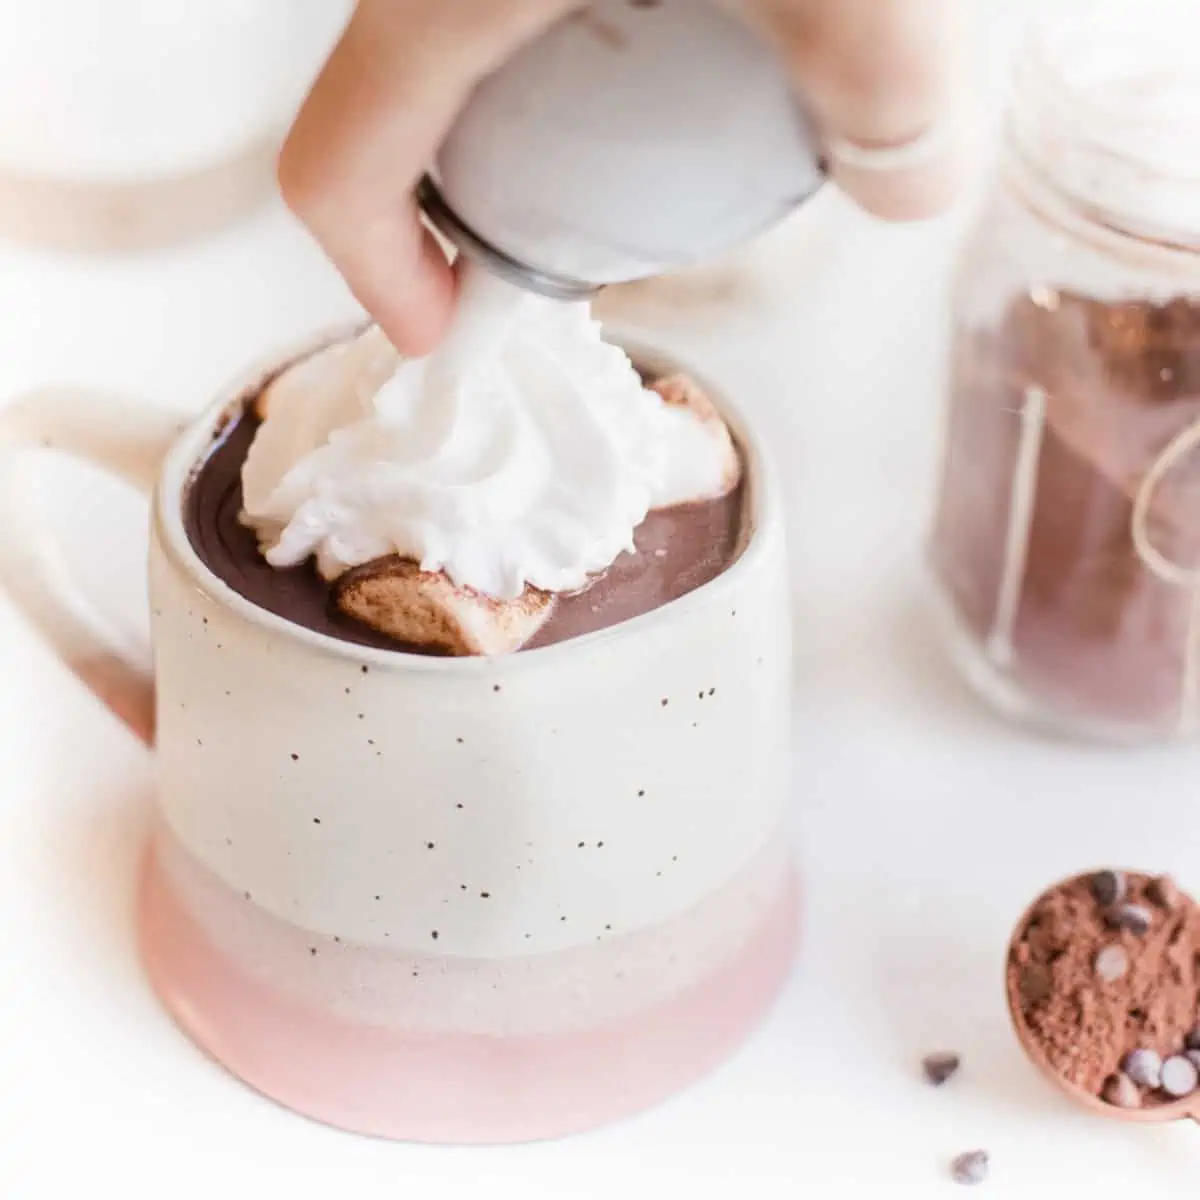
126,438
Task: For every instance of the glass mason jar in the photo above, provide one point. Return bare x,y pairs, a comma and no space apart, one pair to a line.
1065,547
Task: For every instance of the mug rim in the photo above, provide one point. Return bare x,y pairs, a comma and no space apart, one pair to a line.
188,449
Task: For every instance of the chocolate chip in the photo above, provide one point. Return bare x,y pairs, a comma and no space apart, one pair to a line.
1192,1038
1111,963
1133,917
1179,1076
1121,1092
1035,983
940,1066
1108,887
1144,1067
971,1167
1163,892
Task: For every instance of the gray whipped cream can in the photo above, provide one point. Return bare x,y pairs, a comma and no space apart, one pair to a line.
628,140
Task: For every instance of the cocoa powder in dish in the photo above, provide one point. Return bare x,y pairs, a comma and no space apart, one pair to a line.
1084,1021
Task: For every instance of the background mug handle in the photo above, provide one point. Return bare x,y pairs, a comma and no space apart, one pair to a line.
126,438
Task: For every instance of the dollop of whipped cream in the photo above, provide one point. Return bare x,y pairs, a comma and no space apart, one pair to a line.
523,452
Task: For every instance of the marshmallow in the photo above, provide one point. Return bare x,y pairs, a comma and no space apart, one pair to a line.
422,608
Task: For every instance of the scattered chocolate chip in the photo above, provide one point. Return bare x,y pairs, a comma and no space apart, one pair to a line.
1144,1067
1108,887
1121,1092
1192,1037
295,758
313,951
1111,963
970,1168
365,668
1163,892
434,934
428,845
1179,1076
664,702
1133,917
940,1066
495,687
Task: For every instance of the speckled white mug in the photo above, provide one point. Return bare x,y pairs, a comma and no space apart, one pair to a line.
442,899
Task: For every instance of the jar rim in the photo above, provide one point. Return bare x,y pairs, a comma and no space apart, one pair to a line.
1106,107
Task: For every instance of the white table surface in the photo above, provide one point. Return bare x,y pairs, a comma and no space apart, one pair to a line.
923,824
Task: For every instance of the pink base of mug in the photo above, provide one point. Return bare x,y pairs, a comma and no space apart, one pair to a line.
455,1087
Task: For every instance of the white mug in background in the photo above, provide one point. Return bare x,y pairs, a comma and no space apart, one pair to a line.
130,123
442,899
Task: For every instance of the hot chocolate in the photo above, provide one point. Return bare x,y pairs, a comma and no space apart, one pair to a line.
523,485
677,549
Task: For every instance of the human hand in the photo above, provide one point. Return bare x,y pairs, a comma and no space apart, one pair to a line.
877,74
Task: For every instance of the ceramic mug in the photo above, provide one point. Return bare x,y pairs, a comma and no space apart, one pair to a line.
131,123
440,899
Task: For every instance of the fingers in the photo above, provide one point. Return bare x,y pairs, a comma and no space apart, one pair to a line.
882,77
370,127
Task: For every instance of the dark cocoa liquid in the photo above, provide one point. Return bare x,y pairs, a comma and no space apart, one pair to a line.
676,551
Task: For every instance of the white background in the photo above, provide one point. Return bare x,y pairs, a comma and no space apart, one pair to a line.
924,825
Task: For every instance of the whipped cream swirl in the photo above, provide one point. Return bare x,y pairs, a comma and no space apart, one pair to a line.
522,453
